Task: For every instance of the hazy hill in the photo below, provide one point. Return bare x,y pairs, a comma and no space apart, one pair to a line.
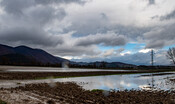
103,64
23,55
6,50
27,55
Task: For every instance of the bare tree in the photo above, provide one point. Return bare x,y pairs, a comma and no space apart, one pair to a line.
171,54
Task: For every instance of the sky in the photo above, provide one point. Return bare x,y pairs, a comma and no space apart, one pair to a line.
91,30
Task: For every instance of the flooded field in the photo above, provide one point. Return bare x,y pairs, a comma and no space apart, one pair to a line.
123,82
158,81
123,87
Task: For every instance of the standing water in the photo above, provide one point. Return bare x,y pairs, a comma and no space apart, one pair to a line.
159,81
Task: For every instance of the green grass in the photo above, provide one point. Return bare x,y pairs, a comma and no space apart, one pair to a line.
2,102
94,90
18,83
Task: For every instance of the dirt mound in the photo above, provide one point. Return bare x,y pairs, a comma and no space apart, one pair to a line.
73,94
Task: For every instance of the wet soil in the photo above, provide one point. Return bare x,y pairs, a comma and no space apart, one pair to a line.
71,93
157,74
41,75
173,80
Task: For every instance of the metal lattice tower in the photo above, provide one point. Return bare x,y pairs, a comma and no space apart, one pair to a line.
152,63
152,57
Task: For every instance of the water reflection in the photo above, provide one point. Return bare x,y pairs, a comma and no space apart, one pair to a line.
122,82
108,82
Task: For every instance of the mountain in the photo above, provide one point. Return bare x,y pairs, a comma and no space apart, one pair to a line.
6,50
24,55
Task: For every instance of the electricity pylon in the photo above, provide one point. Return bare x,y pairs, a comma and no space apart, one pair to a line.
152,57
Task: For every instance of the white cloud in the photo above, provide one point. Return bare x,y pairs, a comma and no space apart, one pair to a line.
145,50
124,53
108,52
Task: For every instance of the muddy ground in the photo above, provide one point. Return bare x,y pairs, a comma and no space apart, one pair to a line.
39,75
71,93
157,74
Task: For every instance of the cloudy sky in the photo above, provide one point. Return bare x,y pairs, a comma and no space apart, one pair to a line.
91,30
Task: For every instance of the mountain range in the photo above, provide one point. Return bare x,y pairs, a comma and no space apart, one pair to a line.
23,55
27,56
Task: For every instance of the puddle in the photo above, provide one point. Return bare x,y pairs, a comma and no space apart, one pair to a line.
107,82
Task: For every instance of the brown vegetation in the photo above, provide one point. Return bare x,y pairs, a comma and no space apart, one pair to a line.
41,75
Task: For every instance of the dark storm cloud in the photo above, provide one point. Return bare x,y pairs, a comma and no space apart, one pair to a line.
160,37
85,25
155,44
102,26
46,2
171,15
151,2
24,22
43,15
109,39
18,6
29,10
30,35
75,51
